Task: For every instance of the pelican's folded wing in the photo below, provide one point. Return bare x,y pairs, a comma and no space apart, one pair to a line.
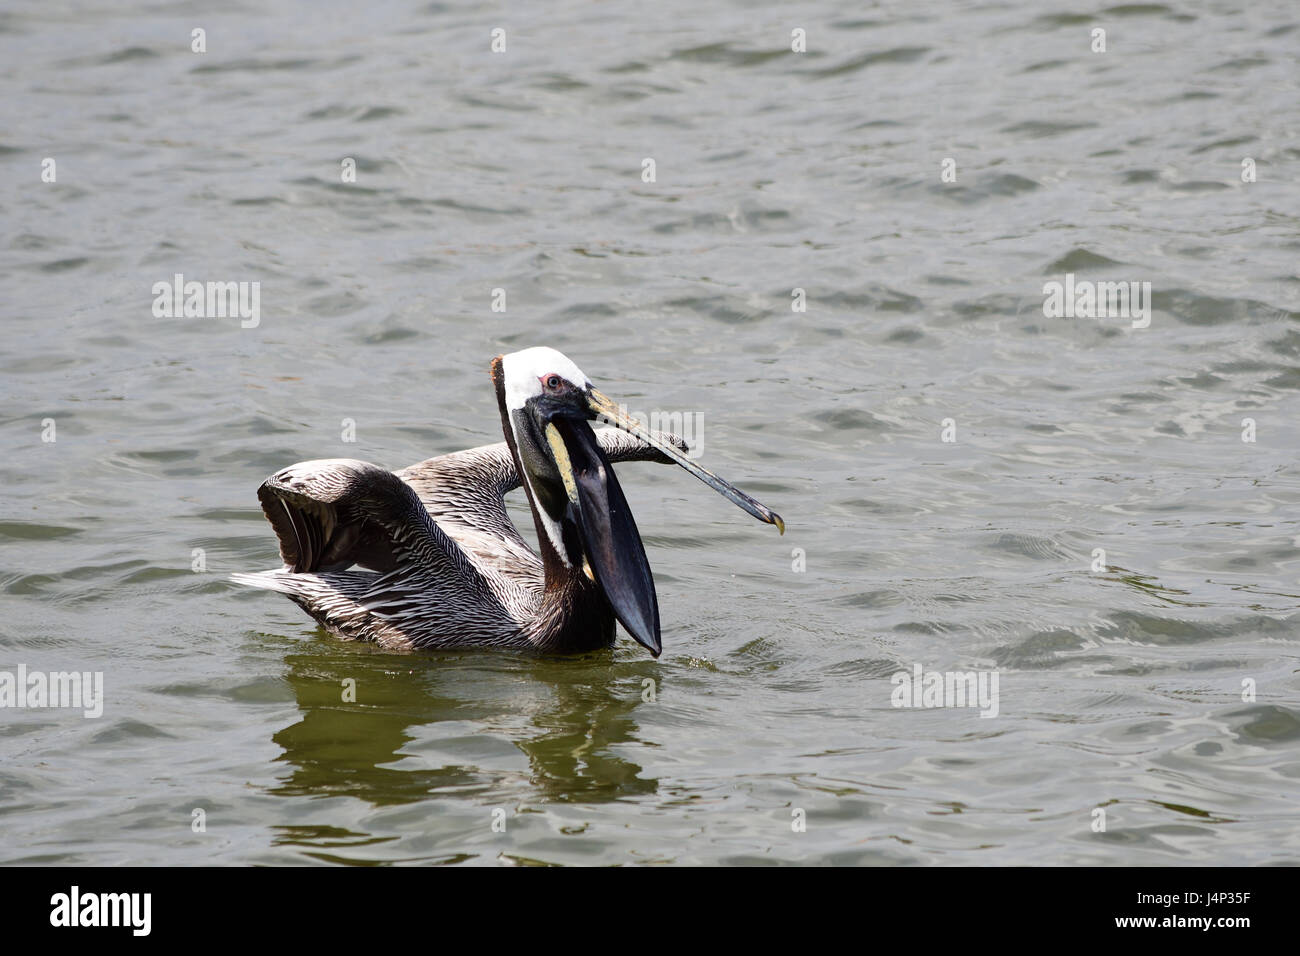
333,513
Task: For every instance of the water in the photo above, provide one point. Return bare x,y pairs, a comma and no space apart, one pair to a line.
1120,689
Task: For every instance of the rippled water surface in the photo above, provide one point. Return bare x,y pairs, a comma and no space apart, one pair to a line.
1119,688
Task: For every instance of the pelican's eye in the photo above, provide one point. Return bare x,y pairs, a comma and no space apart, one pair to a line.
553,383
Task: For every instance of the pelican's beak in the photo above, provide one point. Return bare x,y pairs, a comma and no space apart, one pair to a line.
615,557
605,408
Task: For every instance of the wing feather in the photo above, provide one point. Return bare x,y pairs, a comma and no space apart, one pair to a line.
468,488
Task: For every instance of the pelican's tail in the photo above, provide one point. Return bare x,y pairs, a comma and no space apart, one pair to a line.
281,580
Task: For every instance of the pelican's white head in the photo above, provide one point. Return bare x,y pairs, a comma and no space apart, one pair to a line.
527,374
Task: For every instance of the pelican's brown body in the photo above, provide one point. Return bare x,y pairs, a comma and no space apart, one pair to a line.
435,560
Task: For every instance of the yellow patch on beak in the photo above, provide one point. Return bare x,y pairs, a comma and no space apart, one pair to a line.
562,463
565,467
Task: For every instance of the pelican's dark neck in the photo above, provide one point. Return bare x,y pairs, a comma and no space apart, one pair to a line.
573,614
558,573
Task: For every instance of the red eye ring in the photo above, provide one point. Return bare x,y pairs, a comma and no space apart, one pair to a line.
552,382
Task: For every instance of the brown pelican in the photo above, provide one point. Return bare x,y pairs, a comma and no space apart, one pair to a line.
427,557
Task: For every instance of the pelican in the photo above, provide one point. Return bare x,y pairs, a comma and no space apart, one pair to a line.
427,557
